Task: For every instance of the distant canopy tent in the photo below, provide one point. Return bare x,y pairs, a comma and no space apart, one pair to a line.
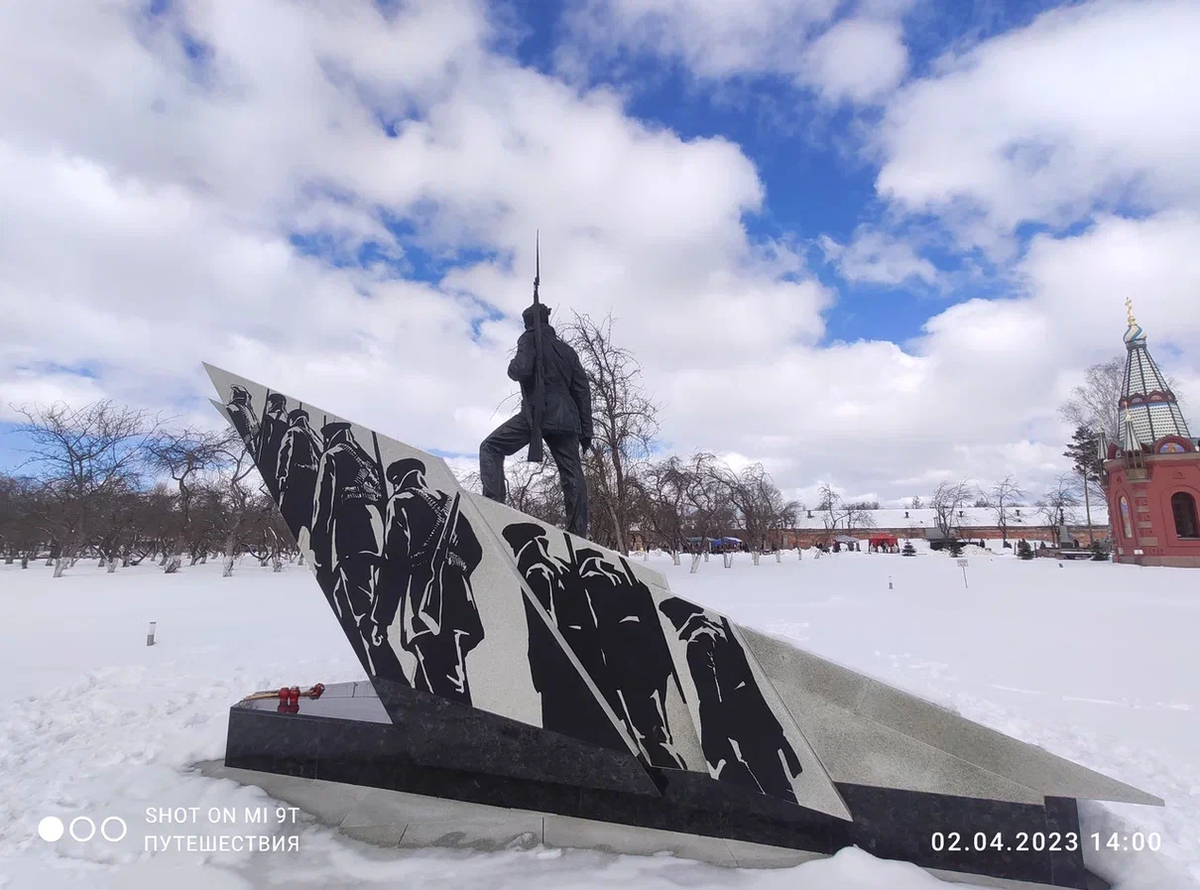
845,539
883,541
714,543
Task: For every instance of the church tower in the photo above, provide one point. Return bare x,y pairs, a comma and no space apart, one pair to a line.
1153,470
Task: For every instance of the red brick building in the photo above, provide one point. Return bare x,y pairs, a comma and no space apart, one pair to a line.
1152,476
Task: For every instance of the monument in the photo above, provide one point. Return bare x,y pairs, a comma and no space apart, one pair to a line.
516,665
556,406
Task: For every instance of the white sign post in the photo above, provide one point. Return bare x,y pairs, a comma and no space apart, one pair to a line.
963,564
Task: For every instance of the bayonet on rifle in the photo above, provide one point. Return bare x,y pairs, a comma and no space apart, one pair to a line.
536,454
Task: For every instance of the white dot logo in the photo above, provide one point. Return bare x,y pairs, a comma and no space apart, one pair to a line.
90,824
50,829
104,829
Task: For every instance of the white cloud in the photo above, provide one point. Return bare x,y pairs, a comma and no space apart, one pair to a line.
1089,106
877,257
859,58
154,203
148,202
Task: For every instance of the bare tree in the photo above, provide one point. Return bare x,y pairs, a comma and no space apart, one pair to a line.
1093,404
665,487
236,495
831,508
1056,505
859,514
758,503
83,456
916,503
708,512
21,531
186,456
1002,497
947,503
625,421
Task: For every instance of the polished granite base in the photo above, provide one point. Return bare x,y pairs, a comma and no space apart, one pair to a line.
448,751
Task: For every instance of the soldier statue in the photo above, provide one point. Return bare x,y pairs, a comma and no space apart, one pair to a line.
556,407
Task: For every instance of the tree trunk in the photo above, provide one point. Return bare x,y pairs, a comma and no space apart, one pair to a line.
620,535
778,556
1087,509
60,566
112,565
728,558
173,564
25,560
754,557
674,557
695,563
800,554
230,555
9,560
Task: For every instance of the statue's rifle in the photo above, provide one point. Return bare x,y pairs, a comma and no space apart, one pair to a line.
536,454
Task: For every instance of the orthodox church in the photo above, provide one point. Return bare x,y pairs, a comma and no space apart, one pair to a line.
1152,473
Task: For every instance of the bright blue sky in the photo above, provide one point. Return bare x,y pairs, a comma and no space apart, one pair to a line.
957,197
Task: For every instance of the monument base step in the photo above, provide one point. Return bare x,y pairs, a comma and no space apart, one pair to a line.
398,819
449,775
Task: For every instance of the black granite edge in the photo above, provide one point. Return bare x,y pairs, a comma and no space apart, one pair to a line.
1068,867
479,745
691,803
441,733
260,740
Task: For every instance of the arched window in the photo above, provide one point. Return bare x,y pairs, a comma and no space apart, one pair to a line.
1183,505
1125,524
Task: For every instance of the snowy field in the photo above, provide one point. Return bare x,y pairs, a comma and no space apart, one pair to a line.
1096,662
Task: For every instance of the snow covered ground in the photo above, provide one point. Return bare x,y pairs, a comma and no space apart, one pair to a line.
1096,662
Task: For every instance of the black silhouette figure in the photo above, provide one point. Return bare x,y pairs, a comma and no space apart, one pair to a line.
566,419
429,553
607,618
296,478
270,439
245,421
742,739
568,706
345,534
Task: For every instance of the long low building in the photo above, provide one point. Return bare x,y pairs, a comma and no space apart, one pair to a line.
969,523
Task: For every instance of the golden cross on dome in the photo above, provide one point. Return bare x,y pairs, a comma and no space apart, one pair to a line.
1129,310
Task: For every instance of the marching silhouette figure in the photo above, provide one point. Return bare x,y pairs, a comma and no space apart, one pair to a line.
742,739
429,553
